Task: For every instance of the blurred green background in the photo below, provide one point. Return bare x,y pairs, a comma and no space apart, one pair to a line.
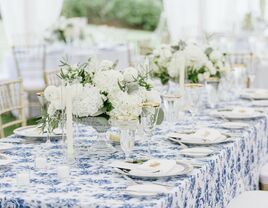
137,14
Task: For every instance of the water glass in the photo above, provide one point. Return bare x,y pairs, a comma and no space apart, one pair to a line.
212,88
171,106
23,178
127,141
193,95
40,162
149,118
63,171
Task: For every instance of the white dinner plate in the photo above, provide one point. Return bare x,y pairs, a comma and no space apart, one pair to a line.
180,168
260,103
33,131
255,94
197,152
234,125
146,190
178,138
233,114
6,146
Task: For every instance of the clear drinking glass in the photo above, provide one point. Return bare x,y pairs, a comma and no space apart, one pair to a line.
193,94
149,118
23,178
212,88
127,141
171,106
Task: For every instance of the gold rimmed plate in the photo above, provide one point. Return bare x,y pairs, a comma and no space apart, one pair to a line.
181,168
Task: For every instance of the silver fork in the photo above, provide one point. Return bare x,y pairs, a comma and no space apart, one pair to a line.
183,146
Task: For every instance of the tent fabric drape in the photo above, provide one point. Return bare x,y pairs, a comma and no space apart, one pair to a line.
26,20
191,18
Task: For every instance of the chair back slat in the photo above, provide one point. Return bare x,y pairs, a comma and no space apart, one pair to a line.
243,59
51,78
11,99
30,60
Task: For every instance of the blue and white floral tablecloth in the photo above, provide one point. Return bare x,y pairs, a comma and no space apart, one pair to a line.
233,169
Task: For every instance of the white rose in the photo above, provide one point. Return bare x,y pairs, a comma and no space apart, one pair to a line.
87,102
107,81
52,93
162,55
125,105
215,55
194,54
106,65
211,68
130,74
176,64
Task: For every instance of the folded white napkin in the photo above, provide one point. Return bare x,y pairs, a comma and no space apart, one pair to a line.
155,166
159,166
201,135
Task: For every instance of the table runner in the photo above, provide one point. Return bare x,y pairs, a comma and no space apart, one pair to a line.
232,170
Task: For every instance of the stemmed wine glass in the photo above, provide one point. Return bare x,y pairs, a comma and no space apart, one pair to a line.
149,118
47,127
251,72
128,129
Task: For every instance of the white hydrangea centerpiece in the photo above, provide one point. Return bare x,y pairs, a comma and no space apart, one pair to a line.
100,89
199,64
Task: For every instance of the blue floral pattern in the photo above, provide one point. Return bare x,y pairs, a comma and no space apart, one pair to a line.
234,168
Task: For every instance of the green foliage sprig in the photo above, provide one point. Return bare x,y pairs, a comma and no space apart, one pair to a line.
75,74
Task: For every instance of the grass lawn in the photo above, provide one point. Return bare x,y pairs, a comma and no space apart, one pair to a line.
8,117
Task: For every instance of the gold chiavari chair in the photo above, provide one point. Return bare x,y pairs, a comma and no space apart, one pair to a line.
51,78
11,100
30,66
243,61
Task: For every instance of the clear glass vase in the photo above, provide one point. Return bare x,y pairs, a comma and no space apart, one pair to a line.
101,145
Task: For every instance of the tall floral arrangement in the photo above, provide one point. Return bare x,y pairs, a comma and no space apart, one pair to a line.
66,31
219,61
99,89
198,63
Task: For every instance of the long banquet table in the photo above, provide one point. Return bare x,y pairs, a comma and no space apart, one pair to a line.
214,181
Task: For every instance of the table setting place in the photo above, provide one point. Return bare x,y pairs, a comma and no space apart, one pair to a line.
108,138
